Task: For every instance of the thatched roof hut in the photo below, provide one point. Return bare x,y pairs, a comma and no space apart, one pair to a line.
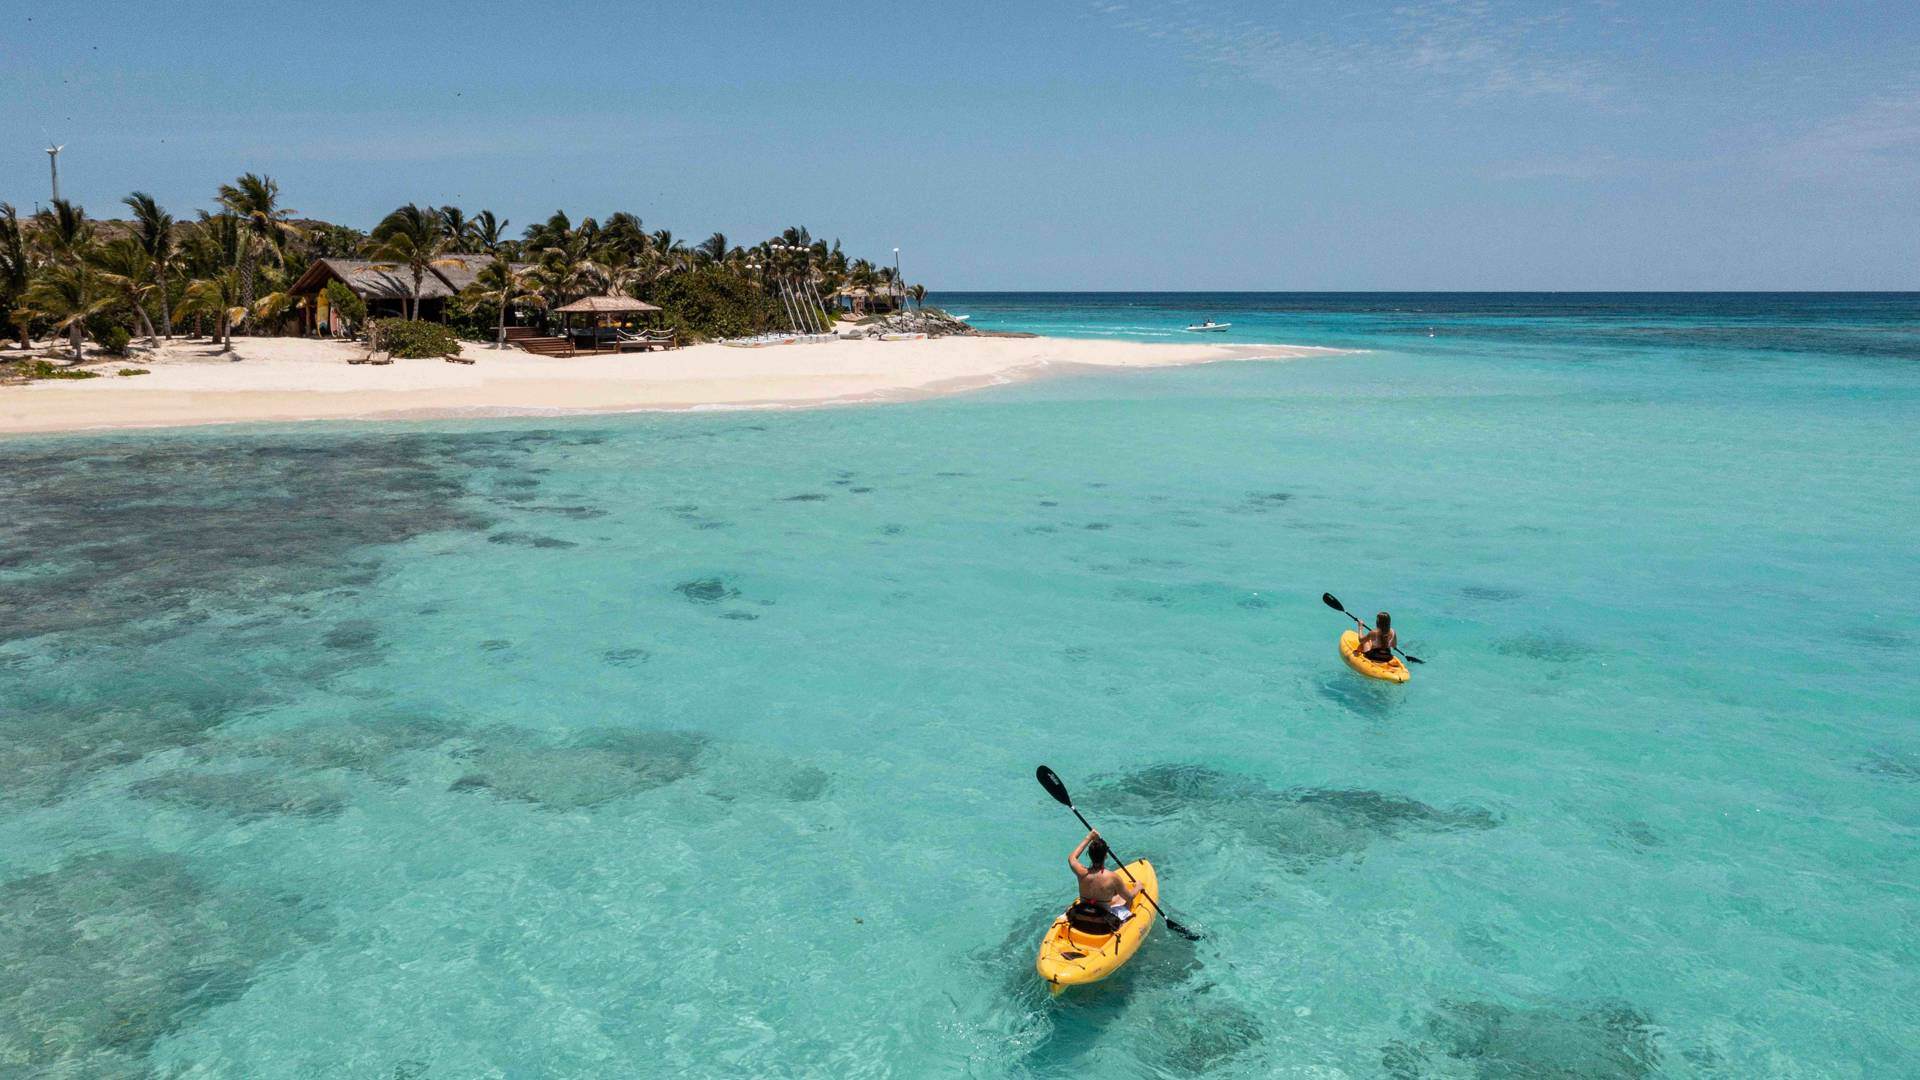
605,305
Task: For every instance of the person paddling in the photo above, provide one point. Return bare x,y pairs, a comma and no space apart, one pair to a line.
1106,899
1377,644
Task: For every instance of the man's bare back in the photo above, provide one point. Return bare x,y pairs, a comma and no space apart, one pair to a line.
1098,884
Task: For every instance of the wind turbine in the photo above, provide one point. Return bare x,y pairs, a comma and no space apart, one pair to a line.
53,163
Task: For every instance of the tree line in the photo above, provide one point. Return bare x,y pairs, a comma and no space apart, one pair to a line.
226,271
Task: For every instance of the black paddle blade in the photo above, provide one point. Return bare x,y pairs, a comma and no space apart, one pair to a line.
1181,929
1049,780
1332,601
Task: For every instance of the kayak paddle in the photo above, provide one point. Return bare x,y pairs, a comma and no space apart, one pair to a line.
1334,603
1051,781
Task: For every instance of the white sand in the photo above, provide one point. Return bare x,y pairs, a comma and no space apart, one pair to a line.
280,379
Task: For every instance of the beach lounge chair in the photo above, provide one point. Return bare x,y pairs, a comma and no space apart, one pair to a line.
380,357
452,359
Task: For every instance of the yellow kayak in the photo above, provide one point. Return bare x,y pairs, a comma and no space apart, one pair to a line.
1070,957
1392,671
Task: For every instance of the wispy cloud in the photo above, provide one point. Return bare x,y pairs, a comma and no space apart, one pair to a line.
1464,50
1879,140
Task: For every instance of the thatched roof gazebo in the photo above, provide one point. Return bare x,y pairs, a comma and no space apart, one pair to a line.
601,312
605,305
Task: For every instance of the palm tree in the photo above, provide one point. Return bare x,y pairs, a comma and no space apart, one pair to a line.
713,250
154,229
489,232
570,271
919,294
502,284
669,254
623,238
63,231
255,202
16,270
217,296
550,233
67,295
409,237
457,227
127,275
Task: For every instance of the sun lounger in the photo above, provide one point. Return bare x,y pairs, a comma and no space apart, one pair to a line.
452,359
382,357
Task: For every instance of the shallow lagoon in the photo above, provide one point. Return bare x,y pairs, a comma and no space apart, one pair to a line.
704,743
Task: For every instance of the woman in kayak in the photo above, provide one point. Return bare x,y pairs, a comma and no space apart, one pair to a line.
1377,644
1105,901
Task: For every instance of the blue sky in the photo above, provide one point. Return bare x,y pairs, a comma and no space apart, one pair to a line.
1192,144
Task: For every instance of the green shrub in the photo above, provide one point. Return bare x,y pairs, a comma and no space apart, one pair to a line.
406,338
114,338
711,302
135,371
346,304
45,369
109,333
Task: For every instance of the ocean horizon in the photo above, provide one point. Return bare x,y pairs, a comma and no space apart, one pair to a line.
704,743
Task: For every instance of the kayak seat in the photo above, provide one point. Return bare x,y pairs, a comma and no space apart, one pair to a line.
1091,918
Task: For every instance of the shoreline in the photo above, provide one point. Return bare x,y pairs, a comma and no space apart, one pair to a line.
297,380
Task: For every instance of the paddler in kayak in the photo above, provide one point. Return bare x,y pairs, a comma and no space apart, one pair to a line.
1106,900
1377,644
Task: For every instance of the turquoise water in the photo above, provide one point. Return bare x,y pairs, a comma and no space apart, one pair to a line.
703,744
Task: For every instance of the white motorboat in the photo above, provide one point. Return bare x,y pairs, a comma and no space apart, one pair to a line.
1208,327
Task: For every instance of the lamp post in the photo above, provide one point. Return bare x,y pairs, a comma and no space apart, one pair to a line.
898,281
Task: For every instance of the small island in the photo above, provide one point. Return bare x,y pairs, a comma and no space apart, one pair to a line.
249,313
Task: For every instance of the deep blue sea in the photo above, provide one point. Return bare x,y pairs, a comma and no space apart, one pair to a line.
703,744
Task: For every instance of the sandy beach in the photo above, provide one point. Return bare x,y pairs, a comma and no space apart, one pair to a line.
291,379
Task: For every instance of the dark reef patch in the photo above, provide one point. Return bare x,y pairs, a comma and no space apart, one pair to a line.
626,657
123,538
1098,526
706,590
1545,648
805,784
1265,500
248,795
106,955
495,645
739,616
576,513
892,530
531,540
1299,825
1608,1040
1048,502
810,496
353,635
595,768
1892,765
1203,1036
54,735
1639,834
1491,593
367,745
860,490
